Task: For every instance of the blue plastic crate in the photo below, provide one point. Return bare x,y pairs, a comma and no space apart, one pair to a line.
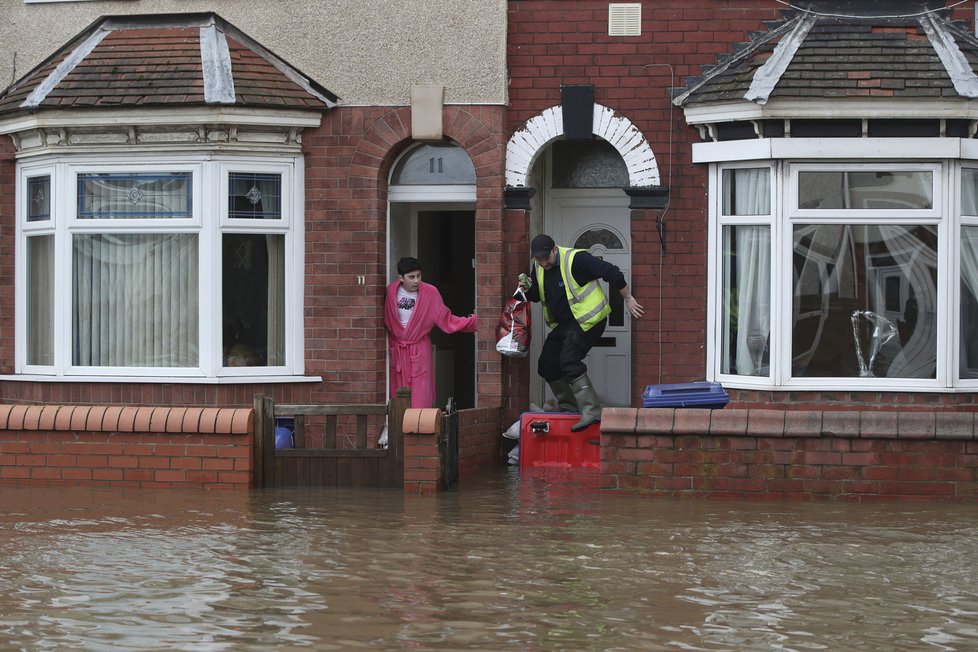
699,394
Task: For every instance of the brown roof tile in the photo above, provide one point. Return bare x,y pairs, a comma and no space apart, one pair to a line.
156,60
840,57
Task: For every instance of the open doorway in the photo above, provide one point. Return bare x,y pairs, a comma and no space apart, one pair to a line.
443,239
432,217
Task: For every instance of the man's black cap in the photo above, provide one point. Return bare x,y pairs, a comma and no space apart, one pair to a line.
541,246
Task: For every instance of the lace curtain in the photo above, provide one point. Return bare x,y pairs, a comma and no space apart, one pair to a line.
135,300
747,273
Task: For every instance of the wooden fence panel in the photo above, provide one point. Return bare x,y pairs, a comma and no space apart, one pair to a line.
347,458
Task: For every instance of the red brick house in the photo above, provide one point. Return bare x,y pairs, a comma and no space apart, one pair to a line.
797,219
789,191
194,221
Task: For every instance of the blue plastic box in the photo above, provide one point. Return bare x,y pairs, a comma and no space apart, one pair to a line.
699,394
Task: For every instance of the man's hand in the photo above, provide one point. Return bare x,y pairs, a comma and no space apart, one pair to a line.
633,307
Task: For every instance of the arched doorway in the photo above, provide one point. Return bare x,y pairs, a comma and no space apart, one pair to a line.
589,187
583,206
431,216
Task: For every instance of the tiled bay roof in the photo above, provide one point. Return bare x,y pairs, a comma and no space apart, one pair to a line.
810,55
163,60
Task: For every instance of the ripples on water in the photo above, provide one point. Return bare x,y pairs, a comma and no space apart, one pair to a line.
538,563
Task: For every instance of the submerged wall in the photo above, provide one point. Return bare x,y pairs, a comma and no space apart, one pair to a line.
784,454
134,446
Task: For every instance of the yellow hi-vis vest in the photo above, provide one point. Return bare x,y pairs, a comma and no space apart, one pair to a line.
588,303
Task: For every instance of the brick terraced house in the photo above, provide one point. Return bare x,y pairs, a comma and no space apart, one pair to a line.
199,209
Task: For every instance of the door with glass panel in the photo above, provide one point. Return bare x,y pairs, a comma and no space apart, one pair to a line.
598,220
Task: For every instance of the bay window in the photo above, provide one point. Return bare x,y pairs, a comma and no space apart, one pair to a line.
159,269
832,275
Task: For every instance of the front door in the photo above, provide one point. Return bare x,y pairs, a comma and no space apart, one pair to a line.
599,221
442,237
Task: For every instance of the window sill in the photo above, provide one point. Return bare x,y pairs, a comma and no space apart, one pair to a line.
169,380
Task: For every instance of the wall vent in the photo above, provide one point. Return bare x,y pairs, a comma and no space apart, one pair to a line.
625,19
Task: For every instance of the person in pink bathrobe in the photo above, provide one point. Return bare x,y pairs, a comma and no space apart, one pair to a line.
412,308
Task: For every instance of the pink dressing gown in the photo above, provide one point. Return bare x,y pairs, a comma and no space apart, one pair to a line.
411,356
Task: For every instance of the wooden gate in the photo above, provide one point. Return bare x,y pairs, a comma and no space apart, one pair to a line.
349,456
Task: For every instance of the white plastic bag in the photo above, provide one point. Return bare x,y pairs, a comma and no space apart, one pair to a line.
513,432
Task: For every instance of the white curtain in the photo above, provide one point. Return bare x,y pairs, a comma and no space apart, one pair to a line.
969,279
134,300
748,192
754,298
40,300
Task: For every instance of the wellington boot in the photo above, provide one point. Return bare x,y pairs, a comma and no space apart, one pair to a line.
587,401
564,395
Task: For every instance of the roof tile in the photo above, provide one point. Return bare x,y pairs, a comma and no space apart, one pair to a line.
142,62
843,56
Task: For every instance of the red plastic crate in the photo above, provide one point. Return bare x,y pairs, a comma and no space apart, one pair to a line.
546,440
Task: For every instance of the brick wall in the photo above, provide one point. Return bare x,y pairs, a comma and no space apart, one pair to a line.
8,242
134,446
348,160
551,43
479,441
800,454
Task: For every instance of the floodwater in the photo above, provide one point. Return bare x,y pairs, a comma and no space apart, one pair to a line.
504,563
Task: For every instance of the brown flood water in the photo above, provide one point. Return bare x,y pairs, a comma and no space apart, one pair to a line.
504,563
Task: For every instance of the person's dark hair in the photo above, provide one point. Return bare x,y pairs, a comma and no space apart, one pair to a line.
407,265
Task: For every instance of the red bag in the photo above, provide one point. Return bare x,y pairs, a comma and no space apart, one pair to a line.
513,328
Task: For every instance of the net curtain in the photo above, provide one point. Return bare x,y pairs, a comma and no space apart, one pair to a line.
749,194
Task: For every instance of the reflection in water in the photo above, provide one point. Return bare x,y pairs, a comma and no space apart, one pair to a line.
532,563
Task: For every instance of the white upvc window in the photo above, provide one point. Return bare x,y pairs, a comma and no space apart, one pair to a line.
160,268
844,275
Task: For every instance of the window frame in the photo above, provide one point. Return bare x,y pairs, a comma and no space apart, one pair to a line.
954,336
785,216
208,222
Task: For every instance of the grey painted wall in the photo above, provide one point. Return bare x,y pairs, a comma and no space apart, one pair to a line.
369,52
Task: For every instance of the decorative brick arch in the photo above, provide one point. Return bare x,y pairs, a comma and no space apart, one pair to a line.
477,130
527,143
390,134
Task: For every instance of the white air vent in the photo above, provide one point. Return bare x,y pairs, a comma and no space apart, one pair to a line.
625,19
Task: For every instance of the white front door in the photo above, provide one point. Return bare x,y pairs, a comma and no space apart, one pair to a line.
600,222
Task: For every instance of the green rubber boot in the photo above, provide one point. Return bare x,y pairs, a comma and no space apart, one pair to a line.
587,401
564,395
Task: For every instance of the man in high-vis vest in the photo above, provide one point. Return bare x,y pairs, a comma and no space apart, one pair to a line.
576,309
